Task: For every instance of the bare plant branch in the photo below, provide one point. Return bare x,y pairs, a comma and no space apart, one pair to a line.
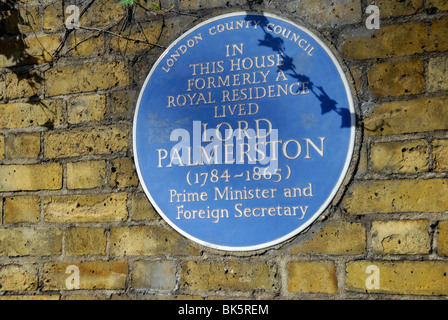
59,53
121,36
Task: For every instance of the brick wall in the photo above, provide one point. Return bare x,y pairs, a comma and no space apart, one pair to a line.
69,194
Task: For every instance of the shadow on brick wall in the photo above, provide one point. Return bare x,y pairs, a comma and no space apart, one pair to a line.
13,49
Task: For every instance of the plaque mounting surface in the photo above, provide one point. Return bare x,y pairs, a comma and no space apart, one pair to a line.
244,131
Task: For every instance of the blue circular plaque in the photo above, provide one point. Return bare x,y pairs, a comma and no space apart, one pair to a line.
244,131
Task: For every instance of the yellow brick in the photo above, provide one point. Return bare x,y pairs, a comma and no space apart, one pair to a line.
171,27
27,241
440,155
91,296
327,13
126,296
86,174
31,50
397,78
442,239
395,8
156,275
22,209
2,147
2,84
85,141
22,18
31,297
321,13
417,115
142,208
92,275
86,77
86,108
400,237
199,4
150,33
234,275
364,197
357,78
29,19
30,177
121,103
312,277
9,55
18,277
41,49
23,85
395,40
53,17
24,145
149,240
439,5
438,74
335,237
85,241
85,43
23,115
123,173
102,13
400,277
85,208
400,157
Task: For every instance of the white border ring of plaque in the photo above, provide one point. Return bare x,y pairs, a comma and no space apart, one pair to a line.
244,131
